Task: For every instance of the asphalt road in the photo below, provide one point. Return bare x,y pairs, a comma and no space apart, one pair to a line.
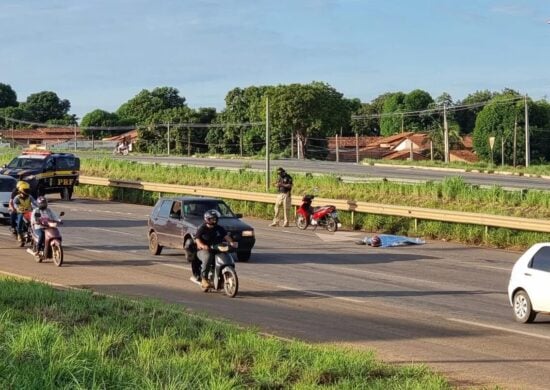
442,304
352,170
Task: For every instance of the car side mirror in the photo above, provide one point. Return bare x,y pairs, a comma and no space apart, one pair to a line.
238,215
61,213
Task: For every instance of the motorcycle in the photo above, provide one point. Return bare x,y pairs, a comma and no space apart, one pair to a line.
222,274
326,216
53,249
122,150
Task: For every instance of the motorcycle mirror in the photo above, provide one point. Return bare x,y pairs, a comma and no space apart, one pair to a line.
238,215
61,213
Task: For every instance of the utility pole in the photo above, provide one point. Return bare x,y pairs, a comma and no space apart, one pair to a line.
74,129
241,140
292,144
515,140
502,151
402,123
189,142
527,146
446,133
357,148
168,138
337,149
267,168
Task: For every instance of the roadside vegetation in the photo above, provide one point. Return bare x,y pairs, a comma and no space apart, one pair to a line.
52,339
451,194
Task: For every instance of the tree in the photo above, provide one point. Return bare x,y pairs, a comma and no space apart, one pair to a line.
391,122
311,110
46,105
466,117
417,100
8,97
145,104
497,119
368,121
99,118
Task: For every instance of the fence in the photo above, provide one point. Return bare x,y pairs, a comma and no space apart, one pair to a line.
417,213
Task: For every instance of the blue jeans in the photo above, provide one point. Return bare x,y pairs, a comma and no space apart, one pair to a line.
41,236
21,225
207,258
13,220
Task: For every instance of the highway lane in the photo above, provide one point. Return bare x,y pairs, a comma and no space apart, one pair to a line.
442,304
398,173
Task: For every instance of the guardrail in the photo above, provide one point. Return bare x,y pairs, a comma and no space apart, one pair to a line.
535,225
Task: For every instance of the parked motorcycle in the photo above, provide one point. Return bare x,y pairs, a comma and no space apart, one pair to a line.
53,249
222,274
122,150
326,216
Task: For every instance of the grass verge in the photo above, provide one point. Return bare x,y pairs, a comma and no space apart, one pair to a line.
51,339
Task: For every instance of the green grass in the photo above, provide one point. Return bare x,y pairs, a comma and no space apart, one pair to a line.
52,339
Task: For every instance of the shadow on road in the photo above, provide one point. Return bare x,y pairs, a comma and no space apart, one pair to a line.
106,223
330,294
343,258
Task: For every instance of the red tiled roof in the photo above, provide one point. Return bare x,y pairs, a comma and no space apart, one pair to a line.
463,155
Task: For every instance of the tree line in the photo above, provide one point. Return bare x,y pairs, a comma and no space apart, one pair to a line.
304,114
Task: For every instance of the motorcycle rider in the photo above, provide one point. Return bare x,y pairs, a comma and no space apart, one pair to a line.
41,211
13,211
23,202
208,234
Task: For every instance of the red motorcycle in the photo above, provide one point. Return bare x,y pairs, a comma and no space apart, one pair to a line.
326,216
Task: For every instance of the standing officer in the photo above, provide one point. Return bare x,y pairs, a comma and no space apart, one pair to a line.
284,186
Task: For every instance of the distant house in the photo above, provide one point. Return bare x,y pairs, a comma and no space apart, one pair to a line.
130,137
394,147
41,136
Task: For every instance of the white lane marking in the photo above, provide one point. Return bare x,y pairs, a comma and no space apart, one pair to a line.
113,231
322,294
481,325
175,266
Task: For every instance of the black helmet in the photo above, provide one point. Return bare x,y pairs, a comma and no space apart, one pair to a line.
280,171
42,203
211,217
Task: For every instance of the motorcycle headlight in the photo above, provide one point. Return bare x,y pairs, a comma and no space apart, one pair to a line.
248,233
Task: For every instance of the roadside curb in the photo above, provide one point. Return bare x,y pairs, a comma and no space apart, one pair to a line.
443,169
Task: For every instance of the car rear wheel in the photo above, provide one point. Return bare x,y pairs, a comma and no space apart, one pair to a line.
154,246
66,193
523,311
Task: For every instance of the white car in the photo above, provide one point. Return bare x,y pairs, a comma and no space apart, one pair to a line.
7,184
529,287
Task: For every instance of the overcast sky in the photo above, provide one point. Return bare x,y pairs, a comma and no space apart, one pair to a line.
100,53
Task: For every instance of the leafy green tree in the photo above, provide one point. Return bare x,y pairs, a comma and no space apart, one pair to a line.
368,121
141,108
466,117
418,100
14,113
8,97
46,105
391,122
497,119
99,118
539,127
312,111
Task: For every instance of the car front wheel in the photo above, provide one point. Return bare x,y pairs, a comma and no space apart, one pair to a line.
523,312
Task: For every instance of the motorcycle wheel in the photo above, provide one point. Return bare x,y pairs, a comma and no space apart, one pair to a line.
332,224
57,255
230,282
301,222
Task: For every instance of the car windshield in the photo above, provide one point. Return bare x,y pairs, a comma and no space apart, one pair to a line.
7,185
198,208
25,163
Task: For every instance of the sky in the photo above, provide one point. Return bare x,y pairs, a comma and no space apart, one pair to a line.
101,53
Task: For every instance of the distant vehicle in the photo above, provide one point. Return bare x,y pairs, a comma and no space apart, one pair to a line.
7,184
174,221
46,172
529,287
